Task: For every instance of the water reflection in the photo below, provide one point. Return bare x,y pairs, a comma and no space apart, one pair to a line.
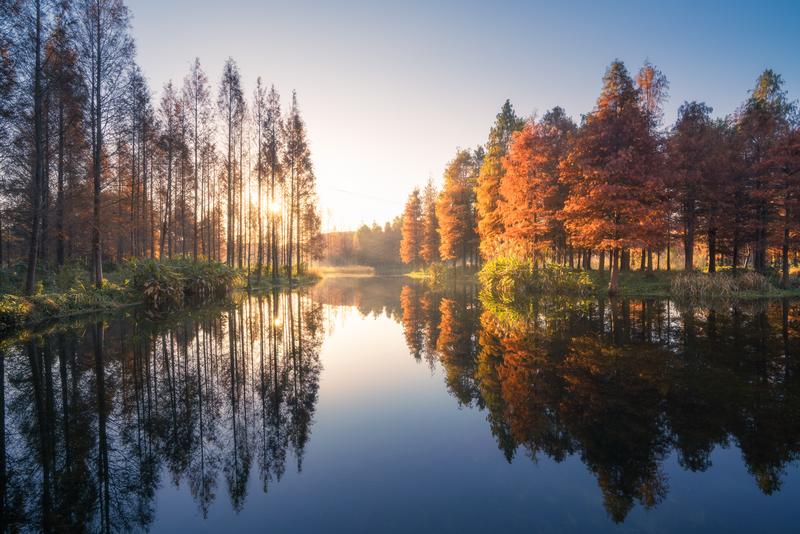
621,384
94,416
98,417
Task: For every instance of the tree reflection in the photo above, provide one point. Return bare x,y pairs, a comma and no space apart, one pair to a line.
622,384
95,416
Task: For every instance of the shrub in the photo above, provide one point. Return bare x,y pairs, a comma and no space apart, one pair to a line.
169,284
507,278
13,312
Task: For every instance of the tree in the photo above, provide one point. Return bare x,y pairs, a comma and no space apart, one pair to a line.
429,247
297,161
67,102
762,123
532,192
170,110
490,227
230,102
786,156
259,109
106,50
273,145
455,209
33,19
692,148
197,96
411,241
608,169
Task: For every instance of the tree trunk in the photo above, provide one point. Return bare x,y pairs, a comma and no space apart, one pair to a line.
712,250
60,189
613,284
97,253
38,156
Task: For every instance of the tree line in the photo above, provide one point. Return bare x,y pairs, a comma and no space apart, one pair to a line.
619,189
371,245
94,169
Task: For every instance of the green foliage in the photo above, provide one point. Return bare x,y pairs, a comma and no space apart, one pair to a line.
505,279
13,311
169,284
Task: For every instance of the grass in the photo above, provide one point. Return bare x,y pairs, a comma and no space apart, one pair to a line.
157,285
508,278
695,285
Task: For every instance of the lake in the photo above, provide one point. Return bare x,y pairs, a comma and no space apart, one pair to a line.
382,405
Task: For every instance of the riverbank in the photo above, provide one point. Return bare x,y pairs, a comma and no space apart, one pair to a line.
509,278
156,285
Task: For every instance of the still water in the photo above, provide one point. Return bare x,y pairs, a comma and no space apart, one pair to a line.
379,405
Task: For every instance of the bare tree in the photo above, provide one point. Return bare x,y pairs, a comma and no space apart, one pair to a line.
106,50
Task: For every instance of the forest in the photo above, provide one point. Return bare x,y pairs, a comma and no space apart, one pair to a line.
620,191
95,171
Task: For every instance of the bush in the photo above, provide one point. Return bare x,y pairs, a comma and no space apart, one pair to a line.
13,312
169,284
508,278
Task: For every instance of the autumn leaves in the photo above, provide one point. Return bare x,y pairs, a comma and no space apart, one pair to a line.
618,189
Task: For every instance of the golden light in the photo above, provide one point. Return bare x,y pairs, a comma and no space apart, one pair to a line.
277,323
274,208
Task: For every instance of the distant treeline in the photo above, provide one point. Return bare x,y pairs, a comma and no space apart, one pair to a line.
618,190
93,169
376,246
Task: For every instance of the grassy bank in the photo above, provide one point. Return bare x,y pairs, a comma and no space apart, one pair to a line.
158,285
508,278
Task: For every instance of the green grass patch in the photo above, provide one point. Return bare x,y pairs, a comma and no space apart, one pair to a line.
505,279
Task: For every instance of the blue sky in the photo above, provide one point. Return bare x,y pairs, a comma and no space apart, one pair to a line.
389,90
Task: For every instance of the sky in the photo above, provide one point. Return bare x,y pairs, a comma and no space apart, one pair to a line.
389,91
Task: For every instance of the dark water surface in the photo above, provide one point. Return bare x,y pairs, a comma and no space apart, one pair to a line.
377,405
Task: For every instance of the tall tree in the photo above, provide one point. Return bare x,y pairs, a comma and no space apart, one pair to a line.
230,102
170,145
429,248
259,111
410,242
763,122
490,227
455,208
297,164
197,95
67,102
33,19
106,50
532,191
273,146
608,169
691,149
